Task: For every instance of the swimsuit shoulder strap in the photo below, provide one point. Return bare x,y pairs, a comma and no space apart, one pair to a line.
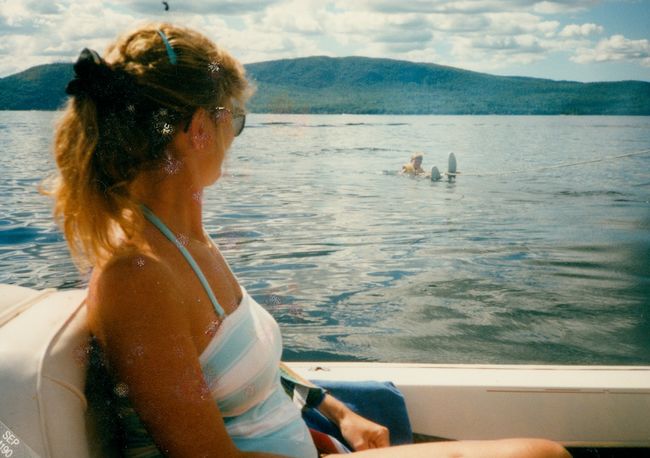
186,254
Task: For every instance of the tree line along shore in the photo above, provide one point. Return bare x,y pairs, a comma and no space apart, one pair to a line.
362,85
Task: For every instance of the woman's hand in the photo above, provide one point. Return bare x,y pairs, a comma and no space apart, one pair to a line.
362,433
358,431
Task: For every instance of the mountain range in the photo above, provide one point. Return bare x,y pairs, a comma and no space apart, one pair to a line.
376,86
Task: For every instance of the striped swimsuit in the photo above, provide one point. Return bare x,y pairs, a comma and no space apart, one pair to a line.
241,368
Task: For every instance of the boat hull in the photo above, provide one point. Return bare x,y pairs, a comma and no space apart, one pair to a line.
594,406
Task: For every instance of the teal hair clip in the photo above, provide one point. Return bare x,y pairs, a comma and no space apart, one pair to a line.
170,51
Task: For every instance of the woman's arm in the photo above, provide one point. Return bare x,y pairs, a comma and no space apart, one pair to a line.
358,431
139,319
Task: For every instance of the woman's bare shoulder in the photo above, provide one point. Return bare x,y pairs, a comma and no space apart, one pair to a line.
131,290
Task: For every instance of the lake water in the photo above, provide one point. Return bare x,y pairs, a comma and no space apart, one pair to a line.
518,261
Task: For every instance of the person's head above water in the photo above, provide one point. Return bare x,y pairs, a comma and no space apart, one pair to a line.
416,159
122,119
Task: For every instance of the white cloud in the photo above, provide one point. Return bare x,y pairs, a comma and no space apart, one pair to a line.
616,48
367,33
17,17
459,22
305,18
213,7
518,44
562,6
30,54
584,30
509,23
482,35
494,52
475,6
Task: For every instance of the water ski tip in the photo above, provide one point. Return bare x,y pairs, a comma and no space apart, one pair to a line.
435,174
451,165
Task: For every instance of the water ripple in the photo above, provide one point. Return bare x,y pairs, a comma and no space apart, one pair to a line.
359,263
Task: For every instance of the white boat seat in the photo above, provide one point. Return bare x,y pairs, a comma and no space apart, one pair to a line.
43,363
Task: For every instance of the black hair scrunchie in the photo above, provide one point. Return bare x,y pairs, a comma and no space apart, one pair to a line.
95,79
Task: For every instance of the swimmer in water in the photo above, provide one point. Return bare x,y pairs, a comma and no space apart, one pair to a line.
414,167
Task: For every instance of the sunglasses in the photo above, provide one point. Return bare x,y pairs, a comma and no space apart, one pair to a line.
238,119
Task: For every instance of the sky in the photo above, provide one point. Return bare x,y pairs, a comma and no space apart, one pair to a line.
579,40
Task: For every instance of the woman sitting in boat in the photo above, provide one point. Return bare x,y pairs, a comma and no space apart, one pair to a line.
193,357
